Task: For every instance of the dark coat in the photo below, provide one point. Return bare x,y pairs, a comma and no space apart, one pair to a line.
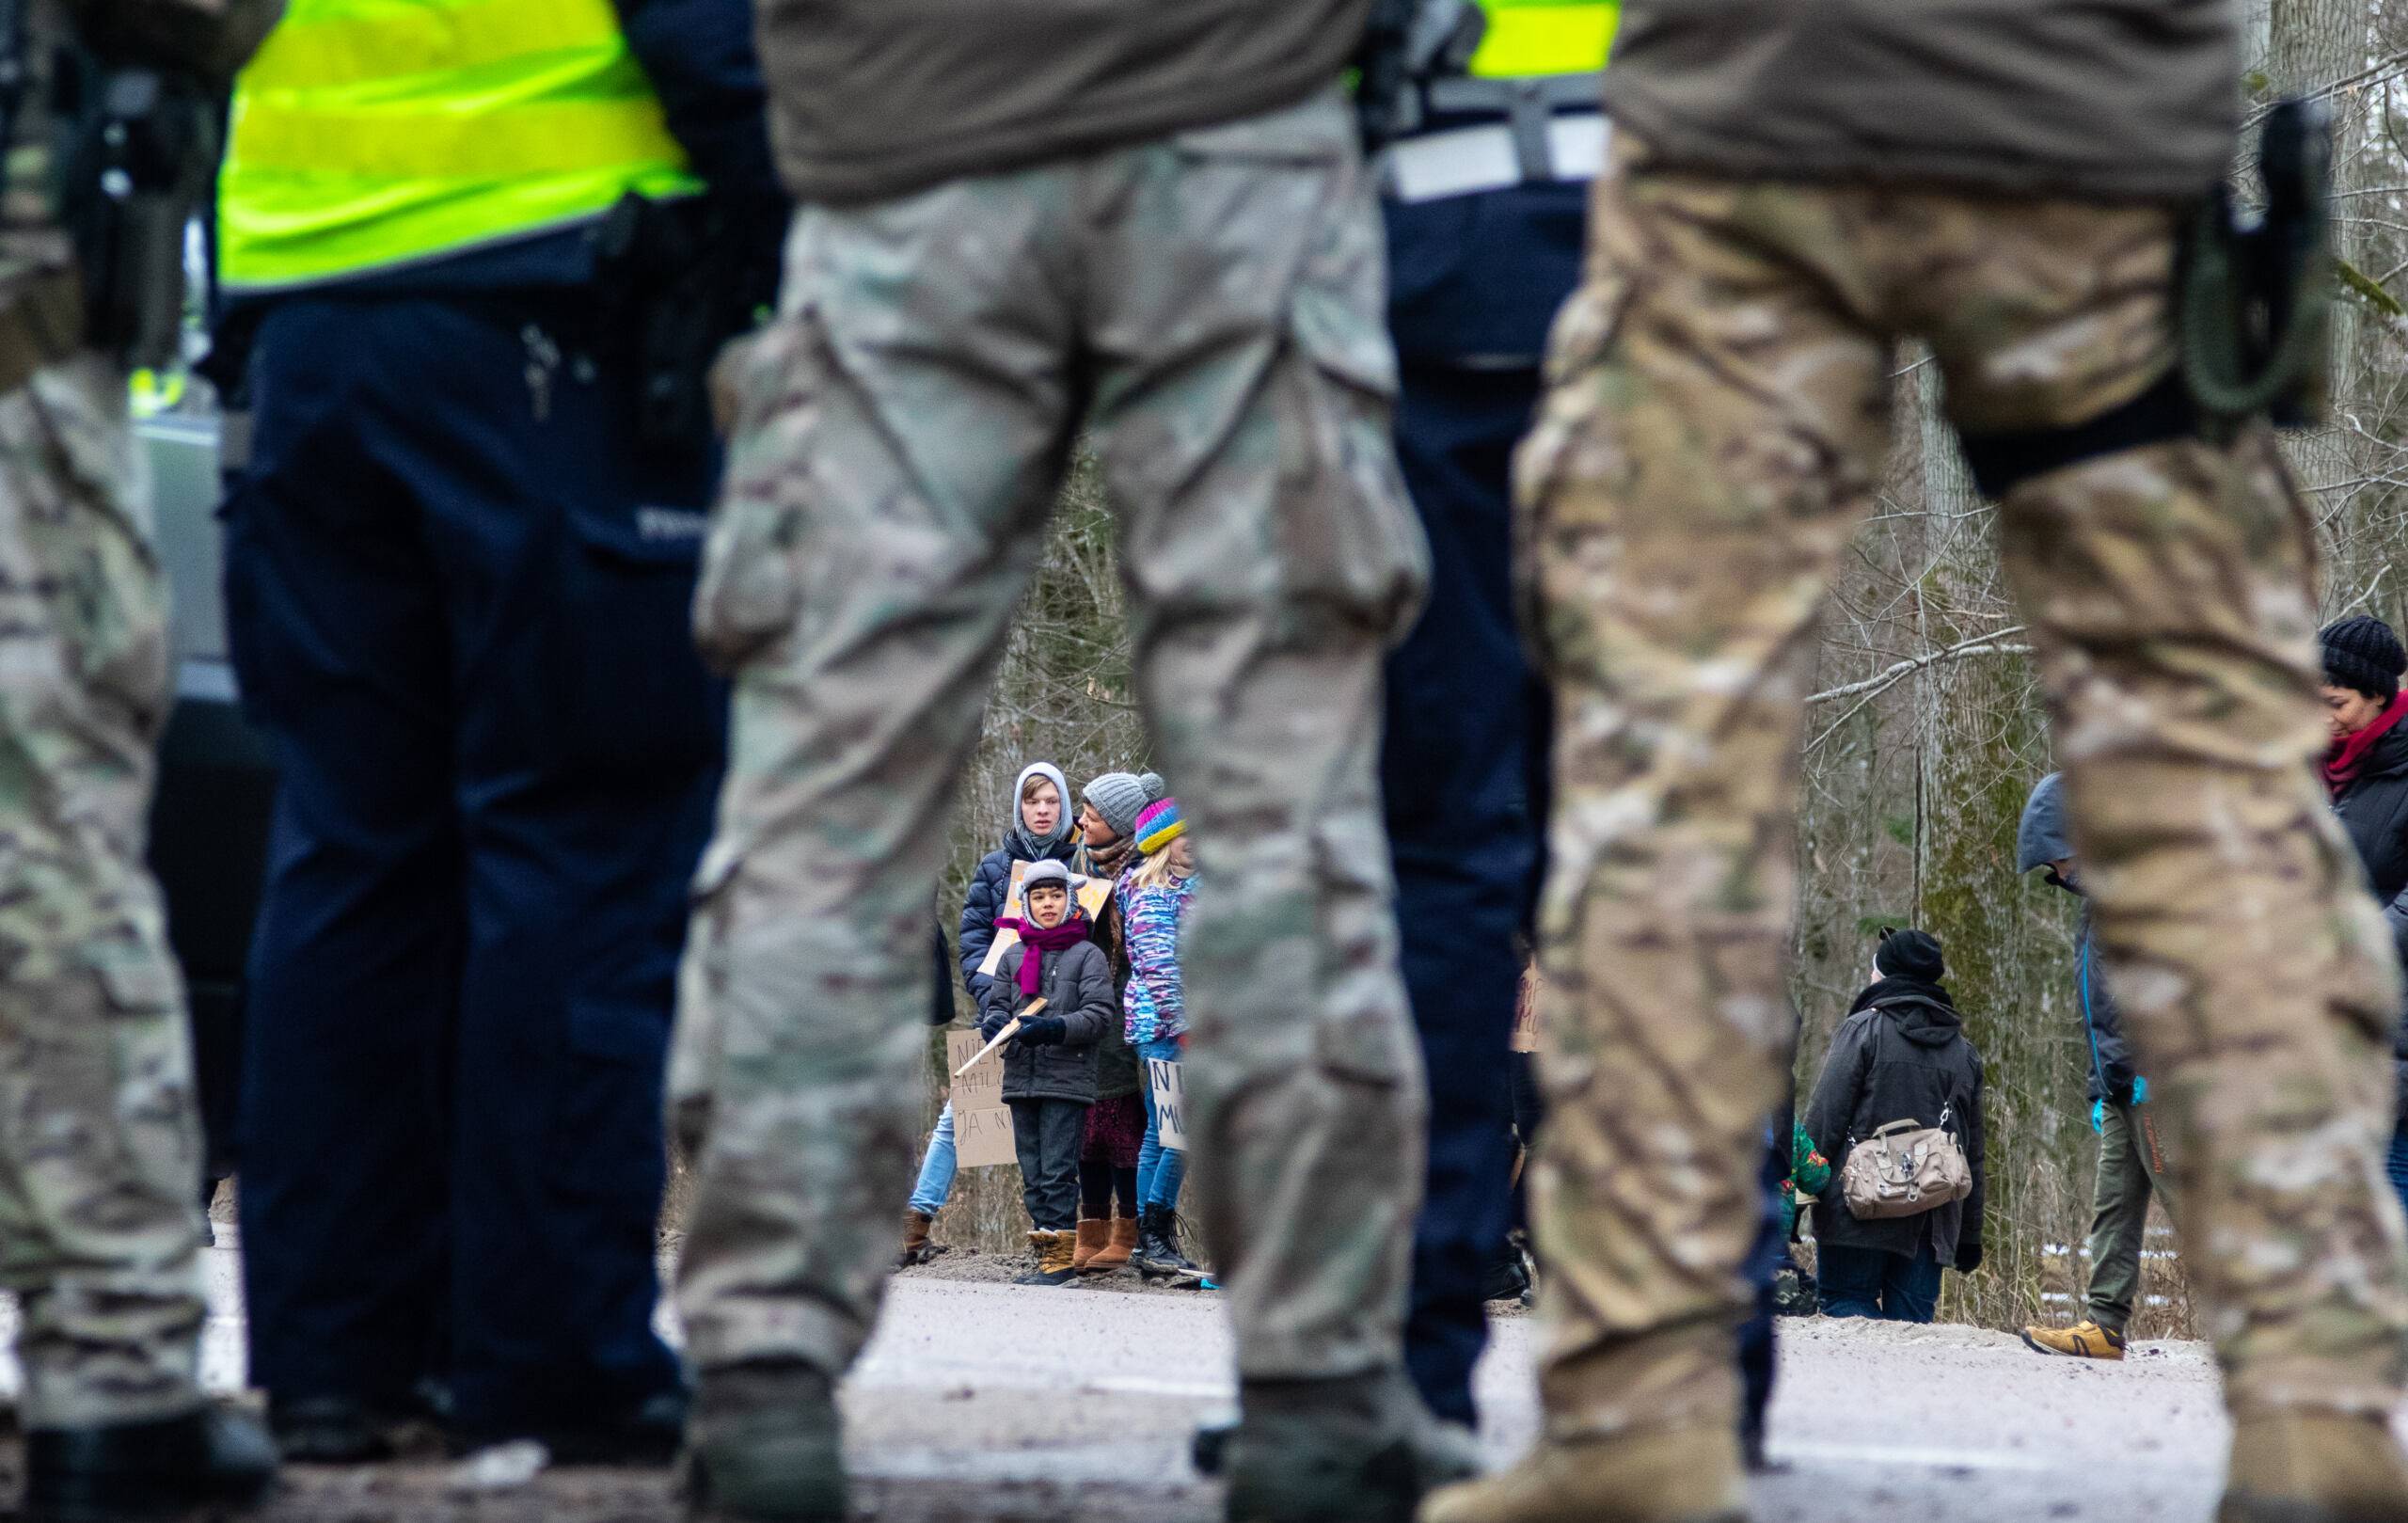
2046,836
1903,1053
2111,99
988,886
1076,985
2374,810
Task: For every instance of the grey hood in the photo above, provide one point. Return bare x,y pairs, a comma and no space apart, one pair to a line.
2043,837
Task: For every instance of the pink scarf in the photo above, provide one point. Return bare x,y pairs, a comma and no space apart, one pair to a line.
1071,932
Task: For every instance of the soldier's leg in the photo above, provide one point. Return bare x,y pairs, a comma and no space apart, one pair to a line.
1245,440
2119,1217
1699,466
884,504
99,1146
2167,582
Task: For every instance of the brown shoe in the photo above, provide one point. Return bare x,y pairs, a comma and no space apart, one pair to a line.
1655,1475
1094,1233
2314,1468
915,1239
1120,1240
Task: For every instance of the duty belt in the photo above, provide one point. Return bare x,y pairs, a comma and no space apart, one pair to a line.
1551,131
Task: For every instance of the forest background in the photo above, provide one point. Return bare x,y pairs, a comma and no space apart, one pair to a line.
1926,730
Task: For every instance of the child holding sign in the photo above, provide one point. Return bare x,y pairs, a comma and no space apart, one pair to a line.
1152,901
1063,982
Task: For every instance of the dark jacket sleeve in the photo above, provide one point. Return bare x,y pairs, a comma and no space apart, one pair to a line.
2115,1064
940,1002
976,932
1842,1081
1084,1025
1000,993
699,56
1970,1131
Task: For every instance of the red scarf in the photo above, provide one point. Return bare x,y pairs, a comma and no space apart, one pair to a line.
1071,932
2348,758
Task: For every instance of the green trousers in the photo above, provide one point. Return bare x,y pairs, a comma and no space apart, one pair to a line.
2127,1174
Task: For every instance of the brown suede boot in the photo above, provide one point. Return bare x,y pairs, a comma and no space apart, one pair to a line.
915,1239
1655,1475
2314,1468
1093,1231
1120,1240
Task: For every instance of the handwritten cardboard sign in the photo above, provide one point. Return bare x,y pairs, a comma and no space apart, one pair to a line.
1092,894
1170,1101
982,1123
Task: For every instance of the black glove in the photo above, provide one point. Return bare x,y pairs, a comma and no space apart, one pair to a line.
1043,1031
992,1026
1969,1258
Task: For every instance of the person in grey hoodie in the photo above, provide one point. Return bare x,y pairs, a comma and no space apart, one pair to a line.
1049,1067
2132,1166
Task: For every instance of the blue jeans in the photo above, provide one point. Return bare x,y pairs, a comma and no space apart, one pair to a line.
937,1169
1159,1169
1874,1282
2397,1163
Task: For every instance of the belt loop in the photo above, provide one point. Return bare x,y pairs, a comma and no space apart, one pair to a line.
1527,117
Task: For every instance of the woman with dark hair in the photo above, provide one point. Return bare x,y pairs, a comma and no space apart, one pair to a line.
2367,772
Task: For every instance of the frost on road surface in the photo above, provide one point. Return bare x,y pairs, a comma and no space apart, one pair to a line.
990,1401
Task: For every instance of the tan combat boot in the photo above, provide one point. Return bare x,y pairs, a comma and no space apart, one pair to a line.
1121,1242
1053,1251
915,1239
2314,1468
1094,1233
2085,1339
1654,1475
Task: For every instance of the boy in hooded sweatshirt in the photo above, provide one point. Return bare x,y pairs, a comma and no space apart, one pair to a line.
1050,1064
1040,831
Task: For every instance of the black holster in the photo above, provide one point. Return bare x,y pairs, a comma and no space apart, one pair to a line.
677,281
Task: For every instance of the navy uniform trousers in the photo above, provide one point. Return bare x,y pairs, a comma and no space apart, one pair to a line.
1474,283
457,593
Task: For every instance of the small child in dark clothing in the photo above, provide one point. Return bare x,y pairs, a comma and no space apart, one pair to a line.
1050,1066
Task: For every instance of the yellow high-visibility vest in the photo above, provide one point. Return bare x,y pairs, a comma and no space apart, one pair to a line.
1527,38
371,133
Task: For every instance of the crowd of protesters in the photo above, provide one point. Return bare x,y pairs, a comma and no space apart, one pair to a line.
1089,997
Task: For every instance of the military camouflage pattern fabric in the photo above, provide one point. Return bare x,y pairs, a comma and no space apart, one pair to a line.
1210,305
99,1148
1718,410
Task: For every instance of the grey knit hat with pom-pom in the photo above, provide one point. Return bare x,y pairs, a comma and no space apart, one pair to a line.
1118,796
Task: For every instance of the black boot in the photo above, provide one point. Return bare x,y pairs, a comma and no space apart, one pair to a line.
1158,1244
348,1430
216,1456
644,1436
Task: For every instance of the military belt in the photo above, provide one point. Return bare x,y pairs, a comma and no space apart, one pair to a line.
40,325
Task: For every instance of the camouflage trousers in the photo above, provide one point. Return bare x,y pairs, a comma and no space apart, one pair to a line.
1210,306
99,1149
1720,391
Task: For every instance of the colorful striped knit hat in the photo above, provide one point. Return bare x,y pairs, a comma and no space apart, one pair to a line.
1159,825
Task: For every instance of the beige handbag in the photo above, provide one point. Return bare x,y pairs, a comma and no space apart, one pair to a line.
1905,1170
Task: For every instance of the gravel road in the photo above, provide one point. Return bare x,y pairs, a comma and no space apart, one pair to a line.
989,1403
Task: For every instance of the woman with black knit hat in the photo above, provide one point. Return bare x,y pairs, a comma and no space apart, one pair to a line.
2366,771
1901,1054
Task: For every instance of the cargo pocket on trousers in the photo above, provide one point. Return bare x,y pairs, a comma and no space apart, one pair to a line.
1584,330
750,589
1360,549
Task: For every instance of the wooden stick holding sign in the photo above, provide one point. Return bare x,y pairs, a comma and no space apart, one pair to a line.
1011,1029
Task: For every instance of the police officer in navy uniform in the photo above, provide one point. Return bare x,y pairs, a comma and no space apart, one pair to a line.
1486,208
478,252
